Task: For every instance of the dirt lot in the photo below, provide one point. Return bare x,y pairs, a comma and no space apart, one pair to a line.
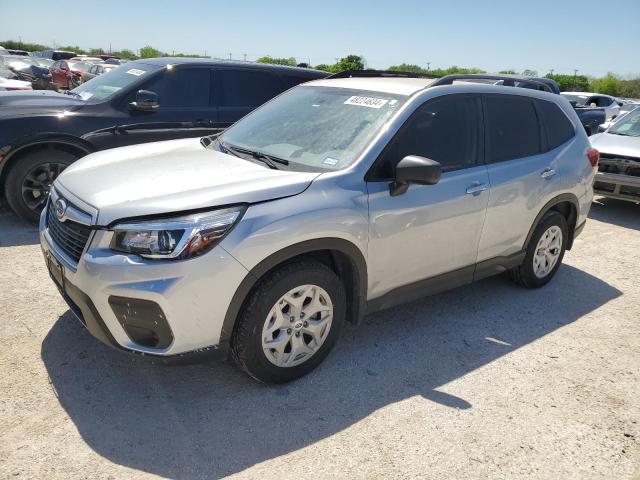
486,381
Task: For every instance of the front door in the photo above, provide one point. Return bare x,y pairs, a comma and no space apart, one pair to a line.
431,230
184,111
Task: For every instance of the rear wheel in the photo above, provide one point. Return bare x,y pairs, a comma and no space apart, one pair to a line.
544,252
290,323
29,180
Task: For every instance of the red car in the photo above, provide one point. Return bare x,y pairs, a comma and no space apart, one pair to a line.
64,71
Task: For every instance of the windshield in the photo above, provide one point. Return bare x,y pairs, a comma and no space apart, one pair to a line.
109,83
628,126
323,128
627,107
580,100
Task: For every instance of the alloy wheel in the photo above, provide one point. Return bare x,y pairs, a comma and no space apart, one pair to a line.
297,325
37,183
547,251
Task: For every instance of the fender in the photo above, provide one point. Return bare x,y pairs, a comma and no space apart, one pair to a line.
564,197
357,305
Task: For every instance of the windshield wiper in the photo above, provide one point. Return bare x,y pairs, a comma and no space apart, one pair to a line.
268,160
69,92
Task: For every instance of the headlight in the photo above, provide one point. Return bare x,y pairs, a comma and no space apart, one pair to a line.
177,238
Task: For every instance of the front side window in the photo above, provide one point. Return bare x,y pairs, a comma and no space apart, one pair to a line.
182,87
319,128
444,130
512,128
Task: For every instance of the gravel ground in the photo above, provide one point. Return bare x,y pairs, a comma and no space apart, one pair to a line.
486,381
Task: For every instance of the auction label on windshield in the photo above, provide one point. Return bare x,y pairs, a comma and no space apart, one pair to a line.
370,102
136,72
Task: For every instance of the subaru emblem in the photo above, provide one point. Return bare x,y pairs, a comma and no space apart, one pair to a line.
61,208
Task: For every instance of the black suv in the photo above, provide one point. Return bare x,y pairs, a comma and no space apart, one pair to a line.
41,133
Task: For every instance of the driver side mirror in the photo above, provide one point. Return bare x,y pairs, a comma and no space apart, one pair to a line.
145,100
414,169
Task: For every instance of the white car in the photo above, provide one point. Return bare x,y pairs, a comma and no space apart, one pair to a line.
7,84
585,99
624,109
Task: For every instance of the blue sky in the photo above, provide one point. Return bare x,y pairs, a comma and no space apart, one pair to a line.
592,36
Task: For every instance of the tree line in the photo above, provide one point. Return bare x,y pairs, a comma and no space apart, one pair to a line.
610,84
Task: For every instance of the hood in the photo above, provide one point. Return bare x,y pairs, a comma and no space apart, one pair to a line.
172,176
43,99
612,144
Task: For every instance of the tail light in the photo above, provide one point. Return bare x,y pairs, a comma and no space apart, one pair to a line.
594,156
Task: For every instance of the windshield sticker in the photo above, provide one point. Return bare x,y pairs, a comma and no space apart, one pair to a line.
86,95
135,71
330,161
370,102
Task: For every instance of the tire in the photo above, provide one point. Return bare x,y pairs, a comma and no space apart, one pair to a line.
525,274
252,329
33,174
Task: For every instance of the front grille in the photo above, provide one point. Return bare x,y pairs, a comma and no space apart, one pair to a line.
70,237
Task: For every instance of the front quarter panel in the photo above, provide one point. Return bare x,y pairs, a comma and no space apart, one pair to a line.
334,206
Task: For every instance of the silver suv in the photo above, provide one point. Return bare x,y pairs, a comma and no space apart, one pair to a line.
338,198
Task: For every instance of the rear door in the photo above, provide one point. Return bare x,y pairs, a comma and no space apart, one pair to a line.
185,110
522,176
430,230
238,91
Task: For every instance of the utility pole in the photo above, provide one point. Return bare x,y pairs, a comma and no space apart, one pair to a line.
245,56
109,47
551,71
575,74
428,66
229,56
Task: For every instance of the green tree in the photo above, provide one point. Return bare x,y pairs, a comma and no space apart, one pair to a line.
150,52
77,50
291,61
407,67
508,72
530,73
569,83
350,62
324,67
96,51
29,47
609,84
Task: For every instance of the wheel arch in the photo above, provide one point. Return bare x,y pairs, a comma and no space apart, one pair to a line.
567,205
342,256
69,144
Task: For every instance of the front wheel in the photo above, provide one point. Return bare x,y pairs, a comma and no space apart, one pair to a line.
29,180
290,323
544,252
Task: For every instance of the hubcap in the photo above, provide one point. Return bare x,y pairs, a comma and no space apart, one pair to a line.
547,251
36,185
297,325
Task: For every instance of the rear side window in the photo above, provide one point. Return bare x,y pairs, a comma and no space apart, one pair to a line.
183,87
556,124
247,88
512,128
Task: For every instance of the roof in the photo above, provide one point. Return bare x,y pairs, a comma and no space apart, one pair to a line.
586,94
164,61
398,85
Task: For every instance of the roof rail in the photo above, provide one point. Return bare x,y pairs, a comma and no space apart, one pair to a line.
507,80
379,73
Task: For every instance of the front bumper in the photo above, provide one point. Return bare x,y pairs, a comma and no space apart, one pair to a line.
192,296
615,185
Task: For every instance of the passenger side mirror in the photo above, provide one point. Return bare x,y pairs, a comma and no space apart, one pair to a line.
145,100
414,169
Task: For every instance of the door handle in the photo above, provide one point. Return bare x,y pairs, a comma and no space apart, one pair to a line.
548,172
476,188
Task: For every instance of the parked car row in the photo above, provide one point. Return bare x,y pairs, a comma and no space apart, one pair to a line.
144,101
